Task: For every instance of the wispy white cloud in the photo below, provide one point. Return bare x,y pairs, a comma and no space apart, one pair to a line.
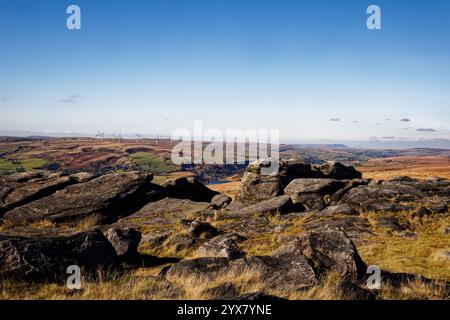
426,130
74,98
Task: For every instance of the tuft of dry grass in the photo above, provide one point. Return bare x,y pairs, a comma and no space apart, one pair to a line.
87,223
392,252
414,290
43,224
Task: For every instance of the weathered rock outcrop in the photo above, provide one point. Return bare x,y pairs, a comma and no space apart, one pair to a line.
201,267
109,197
223,246
294,267
20,189
220,201
188,188
314,194
288,268
125,241
356,228
340,209
338,171
256,186
333,250
277,205
401,194
47,259
198,229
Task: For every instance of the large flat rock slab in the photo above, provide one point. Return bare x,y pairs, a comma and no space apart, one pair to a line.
313,194
20,189
110,196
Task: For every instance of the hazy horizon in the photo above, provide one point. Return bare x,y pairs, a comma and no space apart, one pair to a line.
356,144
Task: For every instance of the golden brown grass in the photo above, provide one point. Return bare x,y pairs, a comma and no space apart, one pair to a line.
229,188
414,290
86,223
395,253
414,167
143,285
43,224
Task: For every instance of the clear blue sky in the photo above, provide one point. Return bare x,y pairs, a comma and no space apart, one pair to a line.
153,66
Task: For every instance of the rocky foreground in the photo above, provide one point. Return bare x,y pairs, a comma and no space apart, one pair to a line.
283,236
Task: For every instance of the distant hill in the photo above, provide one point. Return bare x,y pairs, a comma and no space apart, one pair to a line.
322,146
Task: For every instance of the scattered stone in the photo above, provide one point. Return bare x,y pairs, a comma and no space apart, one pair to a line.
222,291
295,169
180,243
220,201
338,171
255,188
235,206
330,249
390,223
198,229
81,177
422,212
287,268
343,209
248,225
386,197
438,207
286,238
446,230
223,246
188,188
337,196
312,193
279,205
354,227
202,268
125,242
165,212
155,240
407,234
352,291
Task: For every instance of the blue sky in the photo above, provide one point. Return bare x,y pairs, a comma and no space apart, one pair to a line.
157,65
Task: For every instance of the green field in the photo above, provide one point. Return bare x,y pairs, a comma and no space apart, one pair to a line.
33,163
8,166
151,162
